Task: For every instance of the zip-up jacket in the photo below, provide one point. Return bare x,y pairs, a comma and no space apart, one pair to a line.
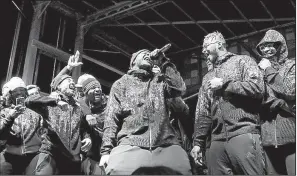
233,109
23,133
279,127
65,128
137,113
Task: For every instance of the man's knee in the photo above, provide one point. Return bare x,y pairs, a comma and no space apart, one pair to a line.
46,165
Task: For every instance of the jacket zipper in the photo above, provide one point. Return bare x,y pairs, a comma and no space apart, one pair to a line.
23,138
150,129
223,118
70,129
275,136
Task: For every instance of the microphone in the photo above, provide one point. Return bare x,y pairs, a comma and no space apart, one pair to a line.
162,50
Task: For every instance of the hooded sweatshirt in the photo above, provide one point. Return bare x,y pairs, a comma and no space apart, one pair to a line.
233,109
97,130
278,128
137,113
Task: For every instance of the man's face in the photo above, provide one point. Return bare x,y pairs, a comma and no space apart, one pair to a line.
267,49
67,87
210,51
94,95
144,61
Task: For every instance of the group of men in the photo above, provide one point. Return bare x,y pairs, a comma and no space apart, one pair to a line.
244,122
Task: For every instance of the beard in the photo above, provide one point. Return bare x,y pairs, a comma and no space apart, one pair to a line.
69,92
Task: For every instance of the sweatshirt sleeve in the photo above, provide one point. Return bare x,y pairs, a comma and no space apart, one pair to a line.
203,119
174,84
252,83
6,123
112,122
284,86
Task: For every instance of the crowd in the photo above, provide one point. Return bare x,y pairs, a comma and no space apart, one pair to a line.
244,122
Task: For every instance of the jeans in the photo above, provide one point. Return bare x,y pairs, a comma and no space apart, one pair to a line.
241,155
126,159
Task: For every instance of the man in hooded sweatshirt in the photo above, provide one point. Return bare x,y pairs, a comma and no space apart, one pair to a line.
137,131
278,129
20,128
67,130
229,110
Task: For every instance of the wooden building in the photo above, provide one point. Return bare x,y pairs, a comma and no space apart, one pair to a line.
37,37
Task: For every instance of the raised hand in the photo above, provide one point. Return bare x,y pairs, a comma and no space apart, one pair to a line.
73,61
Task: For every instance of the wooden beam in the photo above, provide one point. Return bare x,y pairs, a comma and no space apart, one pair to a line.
63,56
14,46
158,23
31,50
111,11
109,67
51,51
65,10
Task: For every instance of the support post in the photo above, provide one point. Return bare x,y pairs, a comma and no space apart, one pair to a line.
32,50
14,45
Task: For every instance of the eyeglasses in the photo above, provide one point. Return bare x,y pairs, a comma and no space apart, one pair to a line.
268,45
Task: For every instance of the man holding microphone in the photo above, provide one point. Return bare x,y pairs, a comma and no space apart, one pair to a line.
137,132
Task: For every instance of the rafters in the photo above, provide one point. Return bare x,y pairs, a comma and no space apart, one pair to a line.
242,15
161,35
191,18
112,11
218,18
258,20
180,31
269,13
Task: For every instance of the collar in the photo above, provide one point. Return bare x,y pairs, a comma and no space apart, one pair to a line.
223,58
141,73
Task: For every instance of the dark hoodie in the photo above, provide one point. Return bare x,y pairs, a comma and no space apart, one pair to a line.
137,113
278,127
96,130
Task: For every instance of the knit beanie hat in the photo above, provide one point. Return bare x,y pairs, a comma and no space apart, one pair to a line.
134,55
57,81
88,82
15,82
